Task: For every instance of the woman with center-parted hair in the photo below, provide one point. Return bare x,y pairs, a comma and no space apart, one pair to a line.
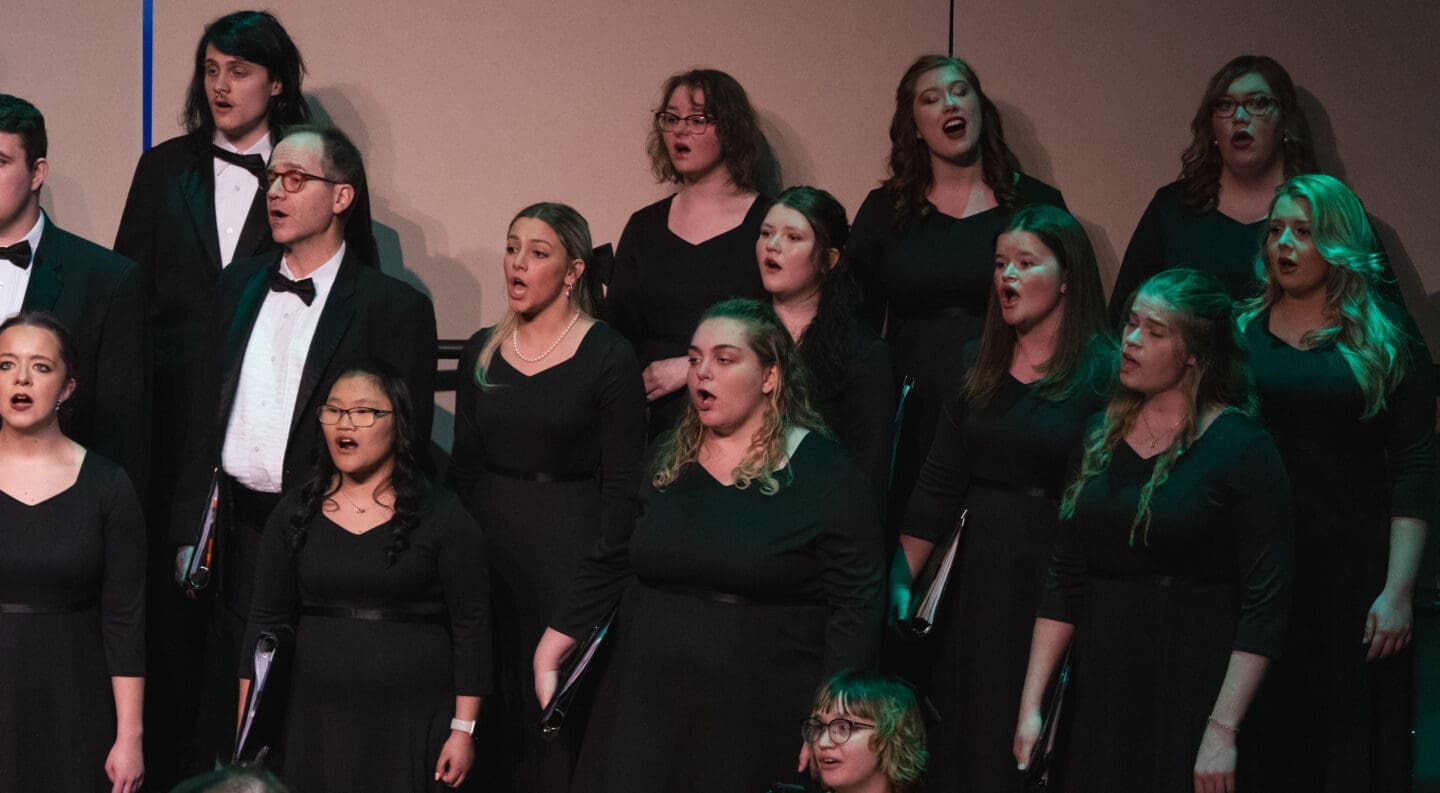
1247,136
549,432
815,296
383,576
681,254
923,242
754,570
1347,388
72,575
1172,568
1000,456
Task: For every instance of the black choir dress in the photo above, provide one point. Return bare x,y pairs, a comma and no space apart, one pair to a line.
1156,621
735,606
1169,235
1005,463
859,406
661,284
371,699
928,287
1326,719
77,558
545,463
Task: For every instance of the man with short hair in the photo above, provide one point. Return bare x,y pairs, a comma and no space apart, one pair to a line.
288,323
95,293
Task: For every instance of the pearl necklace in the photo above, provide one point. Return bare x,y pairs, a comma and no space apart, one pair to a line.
515,342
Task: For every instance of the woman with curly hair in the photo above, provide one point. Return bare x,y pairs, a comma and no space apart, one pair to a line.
693,248
1171,570
1347,389
866,735
383,576
923,243
1249,134
754,570
814,295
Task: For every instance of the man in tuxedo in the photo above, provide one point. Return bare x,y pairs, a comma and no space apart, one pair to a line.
95,293
289,322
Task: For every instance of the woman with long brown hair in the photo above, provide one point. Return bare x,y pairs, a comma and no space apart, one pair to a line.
922,245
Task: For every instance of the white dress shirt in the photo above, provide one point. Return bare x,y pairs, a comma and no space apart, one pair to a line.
234,193
253,452
14,280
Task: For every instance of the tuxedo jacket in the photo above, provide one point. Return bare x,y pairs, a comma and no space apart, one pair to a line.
168,229
367,315
98,297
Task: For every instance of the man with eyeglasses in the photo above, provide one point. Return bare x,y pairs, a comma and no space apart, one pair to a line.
95,293
288,323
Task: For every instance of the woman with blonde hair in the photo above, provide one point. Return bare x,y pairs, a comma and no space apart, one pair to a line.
1171,570
754,570
549,430
1347,388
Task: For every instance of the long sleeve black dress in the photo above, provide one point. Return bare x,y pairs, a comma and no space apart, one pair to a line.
859,405
661,284
1007,464
928,288
735,606
371,699
1156,622
72,616
547,463
1326,719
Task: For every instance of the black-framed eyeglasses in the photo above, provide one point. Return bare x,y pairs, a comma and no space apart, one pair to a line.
840,729
359,417
694,124
293,180
1256,106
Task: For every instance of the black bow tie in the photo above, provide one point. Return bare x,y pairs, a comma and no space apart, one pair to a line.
304,288
19,253
253,163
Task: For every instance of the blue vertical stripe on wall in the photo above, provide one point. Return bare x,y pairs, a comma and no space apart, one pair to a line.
147,39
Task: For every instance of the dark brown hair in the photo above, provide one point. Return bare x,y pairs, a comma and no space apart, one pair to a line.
258,37
1200,163
742,147
910,175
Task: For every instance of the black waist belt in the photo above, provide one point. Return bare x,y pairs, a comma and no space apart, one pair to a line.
251,507
730,598
1158,580
538,476
1011,487
424,614
48,608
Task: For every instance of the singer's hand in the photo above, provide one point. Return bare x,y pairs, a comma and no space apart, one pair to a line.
182,561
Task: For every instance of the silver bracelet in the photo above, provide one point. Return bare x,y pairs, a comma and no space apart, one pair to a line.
1222,725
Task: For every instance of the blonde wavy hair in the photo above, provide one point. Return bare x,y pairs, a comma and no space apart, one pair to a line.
1373,345
788,406
1204,317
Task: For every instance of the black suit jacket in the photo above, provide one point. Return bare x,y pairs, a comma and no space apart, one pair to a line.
97,295
368,315
168,229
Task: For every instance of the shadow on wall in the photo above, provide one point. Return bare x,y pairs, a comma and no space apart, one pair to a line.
784,144
74,208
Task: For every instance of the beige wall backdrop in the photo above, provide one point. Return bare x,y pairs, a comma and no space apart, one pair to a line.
467,111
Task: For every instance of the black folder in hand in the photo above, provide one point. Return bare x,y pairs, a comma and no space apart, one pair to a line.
202,560
572,674
1038,770
930,586
260,728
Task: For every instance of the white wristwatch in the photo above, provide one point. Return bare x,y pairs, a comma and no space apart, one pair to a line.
467,727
